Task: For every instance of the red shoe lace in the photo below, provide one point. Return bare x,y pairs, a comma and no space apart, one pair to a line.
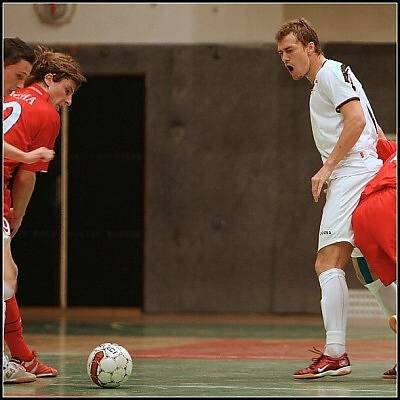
315,360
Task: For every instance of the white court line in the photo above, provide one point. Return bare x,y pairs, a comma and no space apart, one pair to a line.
262,388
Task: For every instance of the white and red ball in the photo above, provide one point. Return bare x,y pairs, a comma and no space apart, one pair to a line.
109,365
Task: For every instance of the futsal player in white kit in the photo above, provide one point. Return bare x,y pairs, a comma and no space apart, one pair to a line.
345,134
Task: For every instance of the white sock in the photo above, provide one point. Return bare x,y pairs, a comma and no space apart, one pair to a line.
7,294
334,305
5,358
385,295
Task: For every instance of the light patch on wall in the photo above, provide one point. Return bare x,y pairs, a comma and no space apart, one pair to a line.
55,13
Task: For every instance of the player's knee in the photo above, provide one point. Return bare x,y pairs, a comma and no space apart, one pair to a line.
322,264
324,260
336,255
8,290
10,274
321,267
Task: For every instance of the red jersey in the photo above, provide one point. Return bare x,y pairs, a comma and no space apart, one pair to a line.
29,121
386,177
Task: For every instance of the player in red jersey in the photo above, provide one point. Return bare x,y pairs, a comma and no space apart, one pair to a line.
374,219
18,60
31,120
374,224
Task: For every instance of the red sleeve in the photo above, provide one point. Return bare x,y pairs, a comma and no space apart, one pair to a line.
385,148
46,132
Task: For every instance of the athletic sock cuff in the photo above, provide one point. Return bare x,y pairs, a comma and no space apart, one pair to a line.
374,286
329,274
336,337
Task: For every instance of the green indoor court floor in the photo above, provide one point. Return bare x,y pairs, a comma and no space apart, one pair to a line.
203,355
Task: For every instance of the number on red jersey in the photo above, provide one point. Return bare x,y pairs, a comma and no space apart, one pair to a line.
13,117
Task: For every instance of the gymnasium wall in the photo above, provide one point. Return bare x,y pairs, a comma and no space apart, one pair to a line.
229,221
112,23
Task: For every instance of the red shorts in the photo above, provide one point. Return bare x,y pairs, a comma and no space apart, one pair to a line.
374,225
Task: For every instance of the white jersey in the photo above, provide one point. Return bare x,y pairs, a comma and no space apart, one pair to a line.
335,85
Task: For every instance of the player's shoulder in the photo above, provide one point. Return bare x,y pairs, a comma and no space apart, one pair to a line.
330,67
44,114
34,104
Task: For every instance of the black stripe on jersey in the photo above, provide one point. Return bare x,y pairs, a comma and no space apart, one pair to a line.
345,102
346,76
373,119
347,79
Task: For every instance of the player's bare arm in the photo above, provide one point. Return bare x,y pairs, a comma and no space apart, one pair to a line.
39,154
353,125
30,157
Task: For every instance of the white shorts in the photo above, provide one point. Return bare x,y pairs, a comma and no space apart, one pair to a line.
342,198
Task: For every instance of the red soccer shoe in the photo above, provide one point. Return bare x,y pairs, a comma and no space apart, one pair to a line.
35,366
324,365
391,373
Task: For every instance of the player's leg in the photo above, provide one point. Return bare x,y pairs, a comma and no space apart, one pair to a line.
334,295
374,224
333,360
10,270
385,295
12,323
20,351
392,373
336,241
12,372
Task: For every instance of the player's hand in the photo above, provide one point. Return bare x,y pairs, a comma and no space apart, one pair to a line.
318,181
39,154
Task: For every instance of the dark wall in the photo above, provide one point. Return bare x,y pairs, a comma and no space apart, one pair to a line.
229,223
105,204
36,246
105,214
209,220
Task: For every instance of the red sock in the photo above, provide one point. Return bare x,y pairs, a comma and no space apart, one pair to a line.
13,332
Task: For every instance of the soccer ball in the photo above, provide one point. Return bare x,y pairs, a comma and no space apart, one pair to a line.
109,365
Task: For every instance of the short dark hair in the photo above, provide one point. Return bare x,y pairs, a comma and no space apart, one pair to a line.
303,32
61,65
16,50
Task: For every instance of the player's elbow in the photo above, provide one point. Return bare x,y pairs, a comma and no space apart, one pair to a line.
357,124
360,122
